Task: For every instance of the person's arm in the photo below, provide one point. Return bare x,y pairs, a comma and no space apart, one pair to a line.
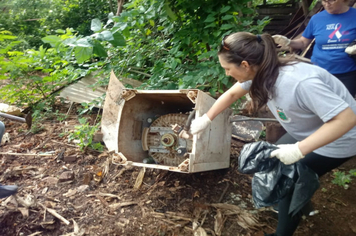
329,132
225,100
300,43
284,42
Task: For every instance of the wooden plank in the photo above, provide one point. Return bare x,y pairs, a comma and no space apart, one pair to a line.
275,11
111,113
214,143
275,17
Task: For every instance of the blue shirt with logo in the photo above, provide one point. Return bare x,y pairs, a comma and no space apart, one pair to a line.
332,33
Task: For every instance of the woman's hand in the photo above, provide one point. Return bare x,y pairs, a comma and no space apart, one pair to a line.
199,124
351,50
281,40
288,153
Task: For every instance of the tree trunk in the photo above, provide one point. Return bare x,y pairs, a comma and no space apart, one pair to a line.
120,3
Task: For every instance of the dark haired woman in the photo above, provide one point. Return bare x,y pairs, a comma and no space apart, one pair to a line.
313,106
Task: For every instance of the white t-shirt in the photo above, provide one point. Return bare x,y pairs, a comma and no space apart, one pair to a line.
307,96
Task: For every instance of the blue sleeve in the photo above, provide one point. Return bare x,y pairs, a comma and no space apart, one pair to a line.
308,32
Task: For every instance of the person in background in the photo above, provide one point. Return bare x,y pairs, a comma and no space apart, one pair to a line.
333,30
312,105
6,190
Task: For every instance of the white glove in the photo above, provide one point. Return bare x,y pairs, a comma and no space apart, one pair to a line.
281,40
288,153
199,124
351,50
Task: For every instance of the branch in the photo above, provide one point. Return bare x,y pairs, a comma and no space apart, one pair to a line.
139,72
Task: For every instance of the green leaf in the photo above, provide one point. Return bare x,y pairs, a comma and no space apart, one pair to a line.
104,36
99,50
82,121
3,36
169,12
119,27
211,25
83,53
225,9
95,25
70,42
247,11
226,26
227,17
118,40
83,42
212,91
52,39
210,18
225,80
110,19
60,31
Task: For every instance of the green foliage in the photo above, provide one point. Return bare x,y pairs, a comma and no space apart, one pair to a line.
164,44
85,48
35,19
88,107
35,74
342,179
85,133
263,135
173,44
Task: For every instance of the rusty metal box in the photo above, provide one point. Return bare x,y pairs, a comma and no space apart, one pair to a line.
137,126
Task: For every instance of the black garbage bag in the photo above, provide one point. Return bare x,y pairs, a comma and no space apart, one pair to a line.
273,180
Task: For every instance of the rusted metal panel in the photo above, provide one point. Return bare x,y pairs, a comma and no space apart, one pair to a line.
83,90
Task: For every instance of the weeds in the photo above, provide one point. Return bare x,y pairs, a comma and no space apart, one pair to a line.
342,179
84,133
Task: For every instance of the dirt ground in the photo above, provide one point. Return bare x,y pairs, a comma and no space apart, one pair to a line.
64,191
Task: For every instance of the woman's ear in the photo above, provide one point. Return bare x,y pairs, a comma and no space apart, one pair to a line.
245,64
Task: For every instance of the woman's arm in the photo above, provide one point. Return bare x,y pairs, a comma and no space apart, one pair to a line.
300,43
285,43
225,100
329,132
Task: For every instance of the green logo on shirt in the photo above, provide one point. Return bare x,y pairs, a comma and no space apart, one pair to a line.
283,115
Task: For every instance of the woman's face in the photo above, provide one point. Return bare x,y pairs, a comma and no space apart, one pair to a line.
241,73
335,6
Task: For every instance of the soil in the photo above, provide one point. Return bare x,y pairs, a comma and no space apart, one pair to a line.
95,197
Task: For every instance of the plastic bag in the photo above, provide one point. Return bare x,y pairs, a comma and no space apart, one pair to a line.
273,180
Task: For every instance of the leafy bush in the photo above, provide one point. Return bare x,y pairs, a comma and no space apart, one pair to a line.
35,19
